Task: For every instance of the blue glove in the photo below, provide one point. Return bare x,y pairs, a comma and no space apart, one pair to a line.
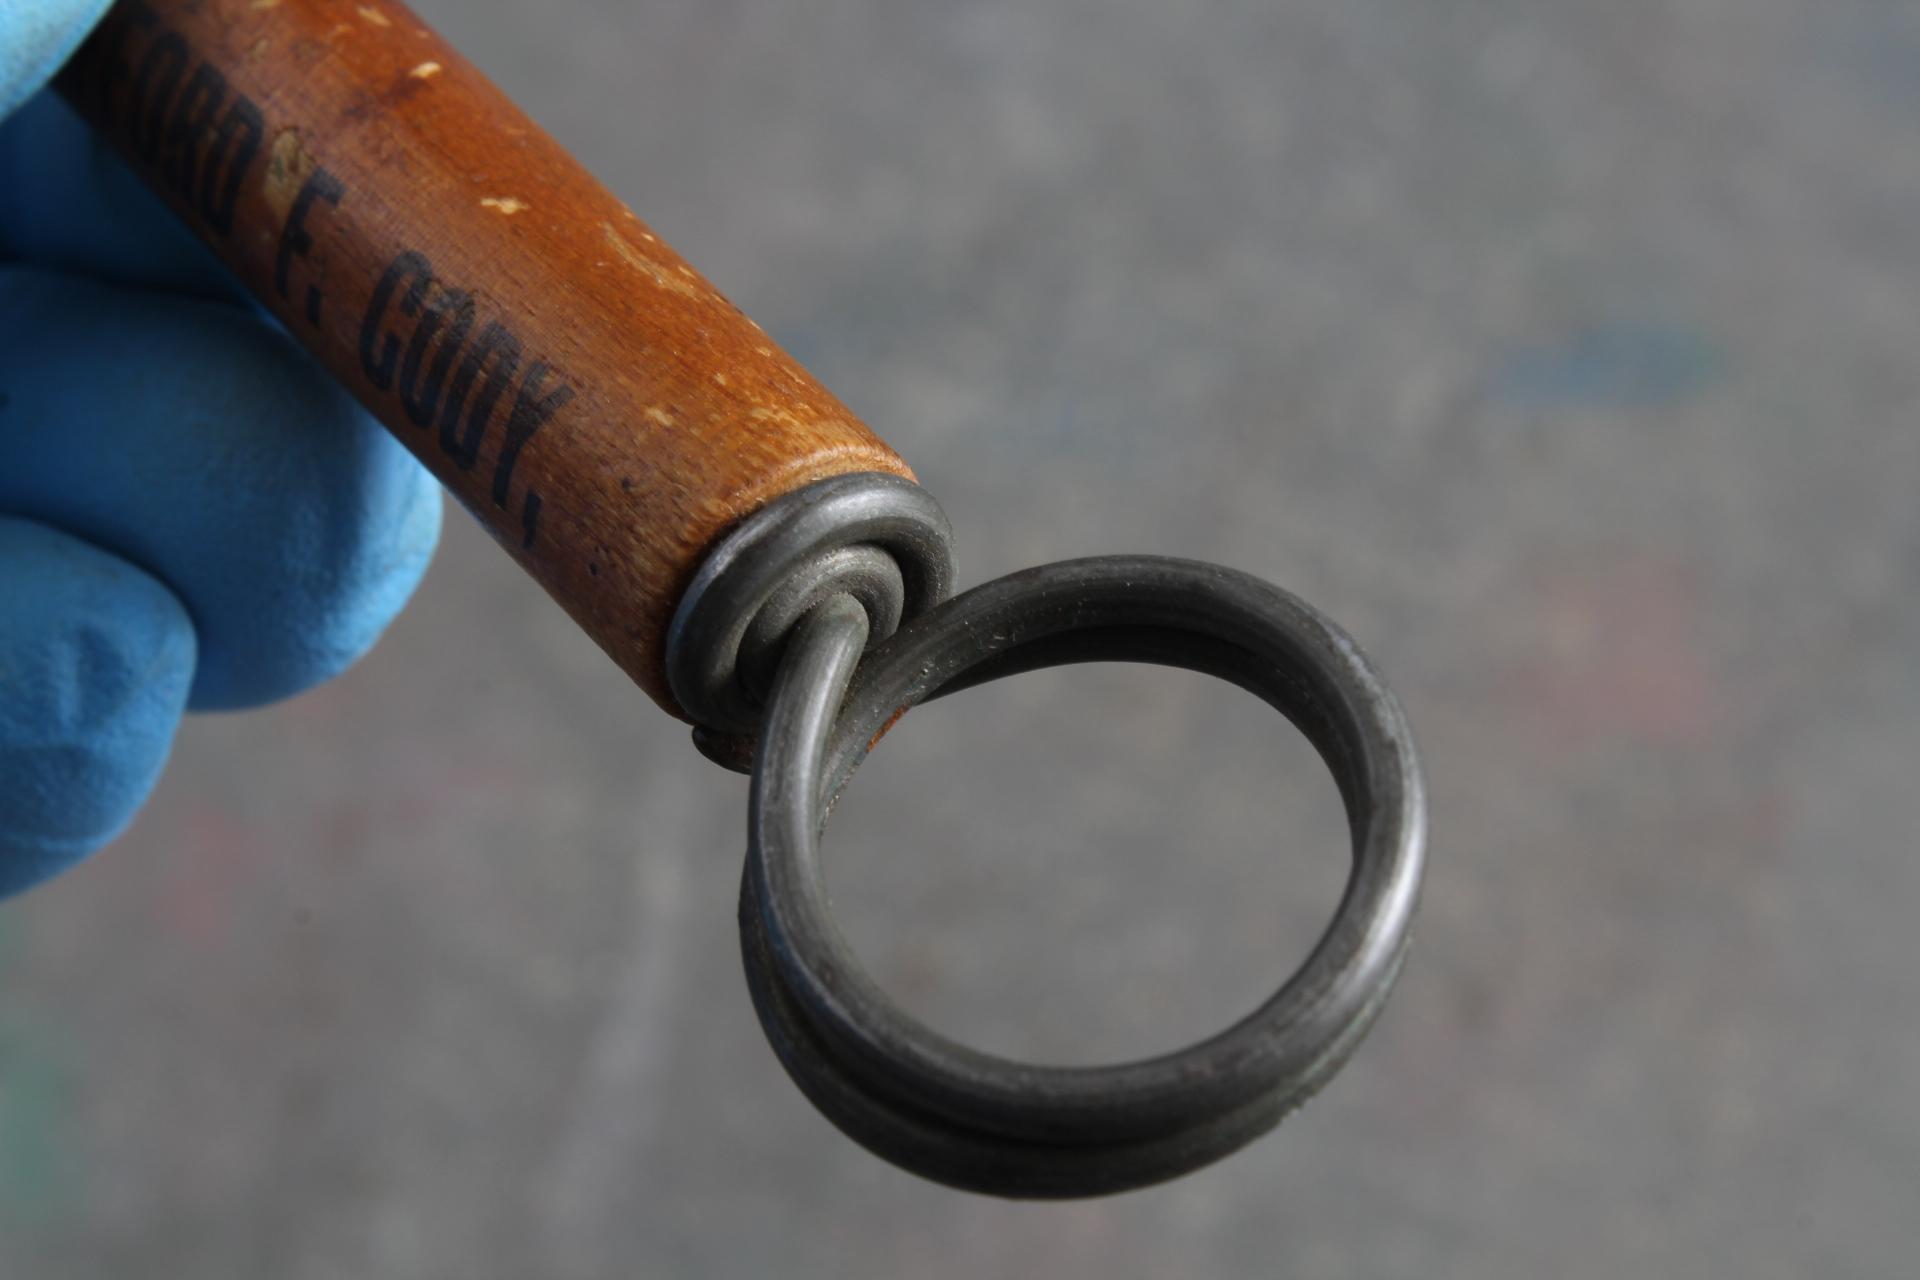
192,515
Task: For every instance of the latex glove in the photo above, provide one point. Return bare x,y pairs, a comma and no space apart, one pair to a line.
192,515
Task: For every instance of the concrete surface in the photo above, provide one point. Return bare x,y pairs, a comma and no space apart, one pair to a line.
1566,352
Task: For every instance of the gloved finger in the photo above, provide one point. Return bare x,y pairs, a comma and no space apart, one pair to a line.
98,658
36,36
67,202
198,442
65,199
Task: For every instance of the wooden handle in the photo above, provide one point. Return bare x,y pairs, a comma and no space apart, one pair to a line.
586,394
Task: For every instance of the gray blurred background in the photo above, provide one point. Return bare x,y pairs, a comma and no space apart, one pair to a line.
1565,351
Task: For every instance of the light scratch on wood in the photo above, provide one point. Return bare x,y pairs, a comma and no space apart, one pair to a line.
647,266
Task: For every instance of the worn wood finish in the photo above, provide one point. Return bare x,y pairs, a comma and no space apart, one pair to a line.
581,389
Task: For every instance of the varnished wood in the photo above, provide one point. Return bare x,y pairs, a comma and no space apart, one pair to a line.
581,389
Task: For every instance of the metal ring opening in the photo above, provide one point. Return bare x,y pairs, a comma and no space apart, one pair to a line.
987,1123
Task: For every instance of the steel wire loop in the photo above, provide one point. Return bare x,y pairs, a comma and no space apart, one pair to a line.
986,1123
878,538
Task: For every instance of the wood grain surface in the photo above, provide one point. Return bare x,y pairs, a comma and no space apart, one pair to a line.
591,398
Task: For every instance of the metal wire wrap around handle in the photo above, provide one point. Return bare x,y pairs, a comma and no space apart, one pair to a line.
986,1123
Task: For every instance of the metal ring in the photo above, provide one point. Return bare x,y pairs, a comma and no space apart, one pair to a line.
876,536
986,1123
